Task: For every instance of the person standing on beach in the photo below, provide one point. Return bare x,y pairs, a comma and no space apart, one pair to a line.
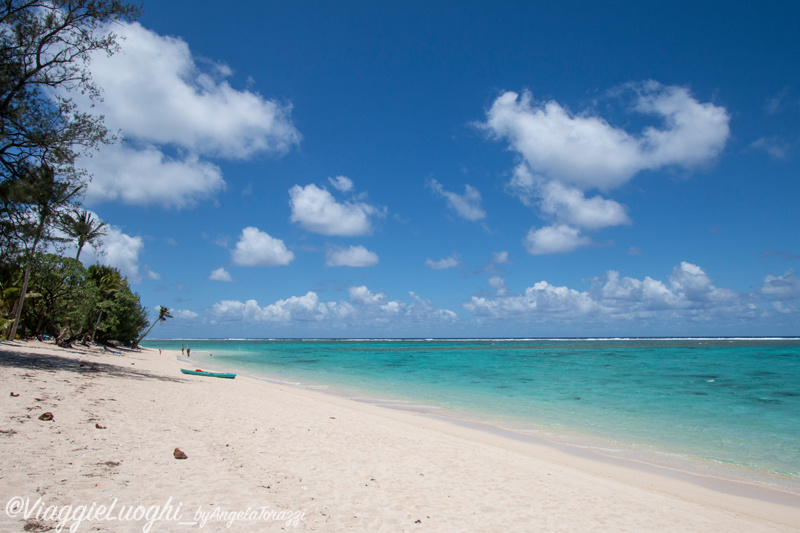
188,351
182,349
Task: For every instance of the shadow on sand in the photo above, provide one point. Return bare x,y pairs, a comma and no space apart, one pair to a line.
29,359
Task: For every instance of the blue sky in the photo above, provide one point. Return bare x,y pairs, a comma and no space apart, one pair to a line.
455,169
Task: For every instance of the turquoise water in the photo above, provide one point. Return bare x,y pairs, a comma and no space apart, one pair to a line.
730,406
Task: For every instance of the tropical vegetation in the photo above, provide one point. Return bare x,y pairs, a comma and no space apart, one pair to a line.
45,46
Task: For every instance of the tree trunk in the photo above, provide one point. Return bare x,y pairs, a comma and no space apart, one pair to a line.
80,247
13,331
97,324
146,332
18,307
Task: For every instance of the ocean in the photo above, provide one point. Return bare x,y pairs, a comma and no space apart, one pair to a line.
726,408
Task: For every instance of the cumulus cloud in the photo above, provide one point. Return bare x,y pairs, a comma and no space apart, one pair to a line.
153,89
565,154
183,314
688,294
588,152
362,295
443,264
342,183
220,274
466,206
694,133
258,248
146,176
306,307
785,287
363,308
557,239
121,251
568,205
692,283
378,308
157,96
316,210
354,256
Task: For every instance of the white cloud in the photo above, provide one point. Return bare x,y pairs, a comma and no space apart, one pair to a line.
569,206
257,248
183,314
524,185
691,282
689,295
156,95
306,307
557,239
362,295
316,210
565,204
342,183
466,206
565,154
582,150
120,251
378,308
154,90
695,132
443,264
220,274
364,308
115,249
354,256
587,152
785,287
146,176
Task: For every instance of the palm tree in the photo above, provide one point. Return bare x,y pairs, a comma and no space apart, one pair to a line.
163,315
109,281
82,226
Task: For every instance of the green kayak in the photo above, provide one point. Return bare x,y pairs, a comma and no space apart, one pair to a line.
199,372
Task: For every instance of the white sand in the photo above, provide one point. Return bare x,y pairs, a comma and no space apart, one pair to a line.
324,463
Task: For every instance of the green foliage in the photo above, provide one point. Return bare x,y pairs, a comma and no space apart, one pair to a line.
60,296
73,303
45,46
163,315
124,320
82,226
34,202
44,52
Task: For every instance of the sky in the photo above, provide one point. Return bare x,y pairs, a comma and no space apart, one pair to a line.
454,169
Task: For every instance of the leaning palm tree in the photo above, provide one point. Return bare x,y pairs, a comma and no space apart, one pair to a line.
163,315
82,226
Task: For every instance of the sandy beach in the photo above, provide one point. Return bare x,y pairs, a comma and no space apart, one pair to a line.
262,456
